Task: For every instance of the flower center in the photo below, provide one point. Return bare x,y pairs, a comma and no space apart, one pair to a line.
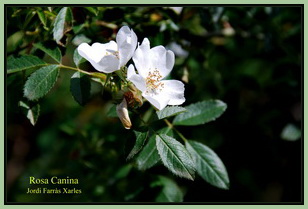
111,52
153,84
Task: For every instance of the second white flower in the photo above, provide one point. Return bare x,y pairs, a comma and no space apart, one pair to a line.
153,65
111,56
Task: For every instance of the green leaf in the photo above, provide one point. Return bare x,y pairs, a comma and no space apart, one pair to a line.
112,112
42,17
200,113
41,81
175,157
32,112
208,165
290,133
24,63
93,10
148,156
63,24
80,87
170,111
166,130
121,173
140,140
170,191
28,18
53,51
77,58
14,41
80,38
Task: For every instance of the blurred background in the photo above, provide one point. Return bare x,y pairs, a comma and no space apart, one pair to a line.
248,57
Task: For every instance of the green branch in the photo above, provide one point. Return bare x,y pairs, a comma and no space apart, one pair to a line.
96,75
170,125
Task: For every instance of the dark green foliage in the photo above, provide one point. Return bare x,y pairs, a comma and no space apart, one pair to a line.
23,63
170,191
32,111
175,157
200,113
40,82
63,24
148,157
52,51
208,164
170,111
140,140
80,87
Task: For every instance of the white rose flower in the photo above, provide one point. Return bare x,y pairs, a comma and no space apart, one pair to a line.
153,65
111,56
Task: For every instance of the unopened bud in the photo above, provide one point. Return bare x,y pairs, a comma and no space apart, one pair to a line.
122,113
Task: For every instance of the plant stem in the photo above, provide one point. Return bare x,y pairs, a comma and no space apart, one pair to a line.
97,75
170,125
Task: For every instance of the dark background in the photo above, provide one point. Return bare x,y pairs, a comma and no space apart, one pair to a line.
248,57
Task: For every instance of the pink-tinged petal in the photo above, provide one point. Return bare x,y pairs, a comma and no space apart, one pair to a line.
127,42
174,90
162,59
159,101
141,58
137,80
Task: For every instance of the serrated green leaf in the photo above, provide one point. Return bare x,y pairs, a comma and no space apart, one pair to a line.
53,51
208,165
170,111
170,191
148,156
175,157
200,113
77,58
40,82
24,63
62,24
32,112
80,87
140,140
42,17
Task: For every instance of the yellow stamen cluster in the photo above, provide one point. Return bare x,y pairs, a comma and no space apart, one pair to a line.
153,83
116,54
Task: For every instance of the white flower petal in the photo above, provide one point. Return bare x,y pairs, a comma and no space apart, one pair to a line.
137,80
87,52
159,101
99,56
141,58
162,59
108,64
127,42
174,90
